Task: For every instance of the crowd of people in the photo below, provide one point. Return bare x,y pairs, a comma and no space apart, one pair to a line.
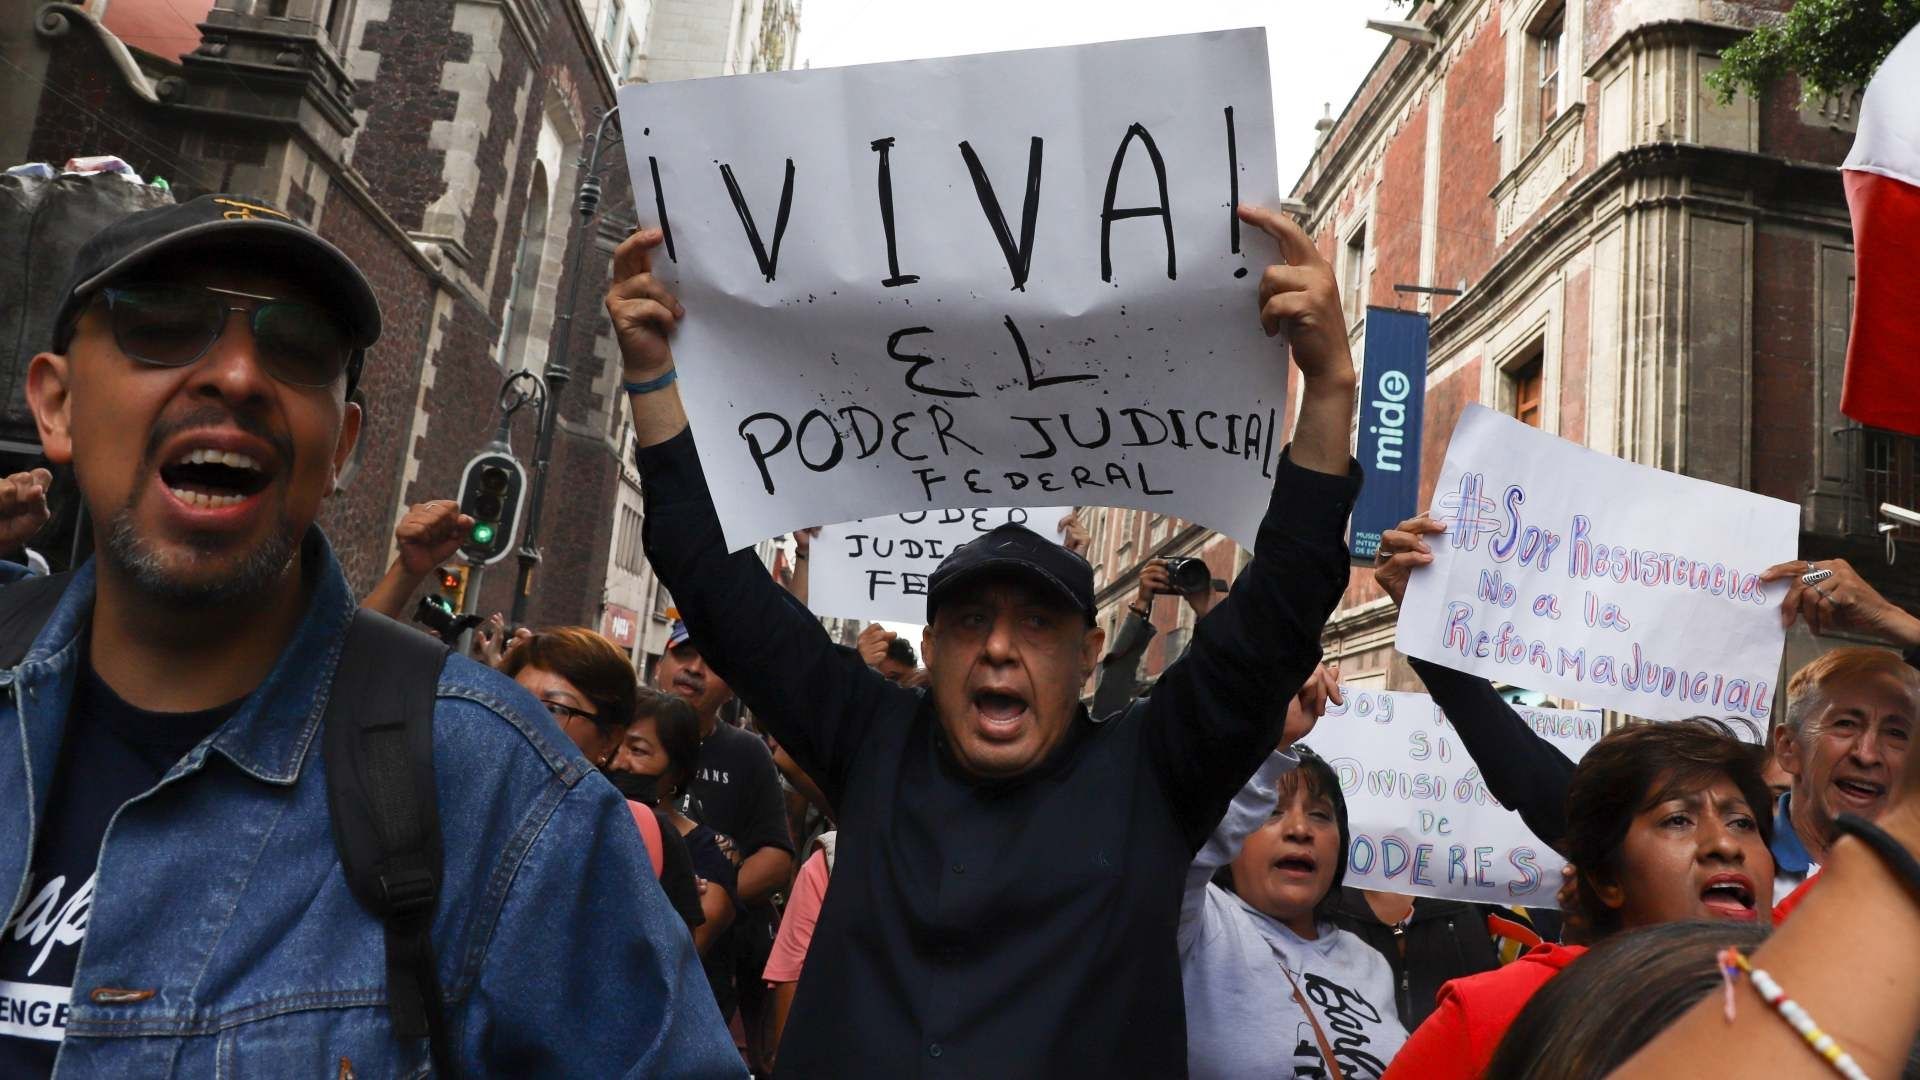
778,855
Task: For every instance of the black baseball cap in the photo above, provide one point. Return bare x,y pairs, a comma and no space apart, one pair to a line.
1015,551
226,223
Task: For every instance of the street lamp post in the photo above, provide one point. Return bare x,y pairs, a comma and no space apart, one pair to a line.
558,374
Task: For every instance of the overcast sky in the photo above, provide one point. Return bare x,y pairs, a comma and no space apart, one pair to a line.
1318,50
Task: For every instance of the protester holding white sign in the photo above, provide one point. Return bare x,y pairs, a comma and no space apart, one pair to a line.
876,568
1013,279
1426,822
1002,856
1569,571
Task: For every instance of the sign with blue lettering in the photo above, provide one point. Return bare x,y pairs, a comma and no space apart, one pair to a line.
1393,391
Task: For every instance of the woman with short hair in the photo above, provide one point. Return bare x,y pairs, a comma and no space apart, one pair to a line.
1273,988
1665,822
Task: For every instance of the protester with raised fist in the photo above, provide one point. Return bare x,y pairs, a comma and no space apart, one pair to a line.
998,849
428,535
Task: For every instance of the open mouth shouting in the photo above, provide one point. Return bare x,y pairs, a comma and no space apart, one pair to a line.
1296,863
1729,896
215,479
1860,796
1000,712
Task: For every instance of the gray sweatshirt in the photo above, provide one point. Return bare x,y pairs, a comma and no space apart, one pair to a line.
1242,1020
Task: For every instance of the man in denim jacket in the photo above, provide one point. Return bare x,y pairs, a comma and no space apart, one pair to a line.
178,908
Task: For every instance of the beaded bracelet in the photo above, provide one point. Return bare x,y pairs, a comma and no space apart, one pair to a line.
1733,962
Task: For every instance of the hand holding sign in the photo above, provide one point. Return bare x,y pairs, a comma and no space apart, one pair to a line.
1402,551
1301,297
1310,704
1841,599
643,311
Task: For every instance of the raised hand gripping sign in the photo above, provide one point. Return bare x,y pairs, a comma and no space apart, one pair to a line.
877,569
1013,279
1614,584
1422,820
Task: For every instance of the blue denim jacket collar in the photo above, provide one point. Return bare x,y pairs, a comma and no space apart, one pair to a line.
1789,854
271,734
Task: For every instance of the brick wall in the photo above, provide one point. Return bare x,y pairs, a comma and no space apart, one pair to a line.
1784,314
401,102
1470,162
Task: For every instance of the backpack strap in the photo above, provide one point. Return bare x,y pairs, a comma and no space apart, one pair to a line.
25,607
377,742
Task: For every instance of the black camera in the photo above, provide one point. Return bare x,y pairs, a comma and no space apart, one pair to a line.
437,615
1187,576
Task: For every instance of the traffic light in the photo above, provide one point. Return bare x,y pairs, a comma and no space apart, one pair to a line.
453,587
492,491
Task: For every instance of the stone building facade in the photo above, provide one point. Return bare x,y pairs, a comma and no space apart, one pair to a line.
439,145
1642,269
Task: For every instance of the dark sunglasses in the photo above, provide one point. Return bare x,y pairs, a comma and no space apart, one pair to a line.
298,343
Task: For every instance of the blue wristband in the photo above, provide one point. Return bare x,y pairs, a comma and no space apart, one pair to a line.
651,385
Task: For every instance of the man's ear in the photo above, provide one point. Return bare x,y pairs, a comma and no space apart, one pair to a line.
1786,750
349,438
1091,647
49,397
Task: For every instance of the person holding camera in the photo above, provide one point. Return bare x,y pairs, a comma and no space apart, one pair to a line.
1187,578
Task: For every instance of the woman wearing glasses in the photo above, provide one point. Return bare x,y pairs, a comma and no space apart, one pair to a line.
586,682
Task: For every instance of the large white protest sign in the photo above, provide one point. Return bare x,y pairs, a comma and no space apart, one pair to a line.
1004,280
1423,823
1614,584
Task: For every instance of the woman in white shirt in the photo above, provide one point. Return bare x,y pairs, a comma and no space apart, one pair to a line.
1253,942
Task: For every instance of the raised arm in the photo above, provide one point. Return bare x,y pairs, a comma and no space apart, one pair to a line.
1120,669
1217,711
429,535
1250,809
816,699
1253,804
1525,772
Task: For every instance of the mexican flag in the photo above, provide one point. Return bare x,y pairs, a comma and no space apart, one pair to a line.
1882,177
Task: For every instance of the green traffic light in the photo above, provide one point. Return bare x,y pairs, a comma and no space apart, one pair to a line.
483,533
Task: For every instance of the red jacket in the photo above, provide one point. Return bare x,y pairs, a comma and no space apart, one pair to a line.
1459,1039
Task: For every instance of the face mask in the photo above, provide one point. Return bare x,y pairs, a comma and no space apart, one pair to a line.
637,788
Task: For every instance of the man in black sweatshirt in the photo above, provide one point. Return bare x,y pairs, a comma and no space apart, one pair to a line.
1008,874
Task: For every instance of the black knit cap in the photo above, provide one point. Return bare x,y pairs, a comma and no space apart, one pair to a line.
233,225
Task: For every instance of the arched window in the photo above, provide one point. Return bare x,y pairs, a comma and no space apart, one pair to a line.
526,273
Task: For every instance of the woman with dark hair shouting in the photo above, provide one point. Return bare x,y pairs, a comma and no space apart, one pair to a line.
1272,987
1665,822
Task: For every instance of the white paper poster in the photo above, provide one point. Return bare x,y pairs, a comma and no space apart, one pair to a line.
876,569
1423,823
1013,279
1575,573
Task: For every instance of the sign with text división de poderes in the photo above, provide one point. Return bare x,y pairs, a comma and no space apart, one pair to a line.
1012,279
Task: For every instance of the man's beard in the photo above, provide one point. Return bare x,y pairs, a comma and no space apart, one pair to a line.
130,554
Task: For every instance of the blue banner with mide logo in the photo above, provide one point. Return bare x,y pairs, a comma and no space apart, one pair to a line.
1393,392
